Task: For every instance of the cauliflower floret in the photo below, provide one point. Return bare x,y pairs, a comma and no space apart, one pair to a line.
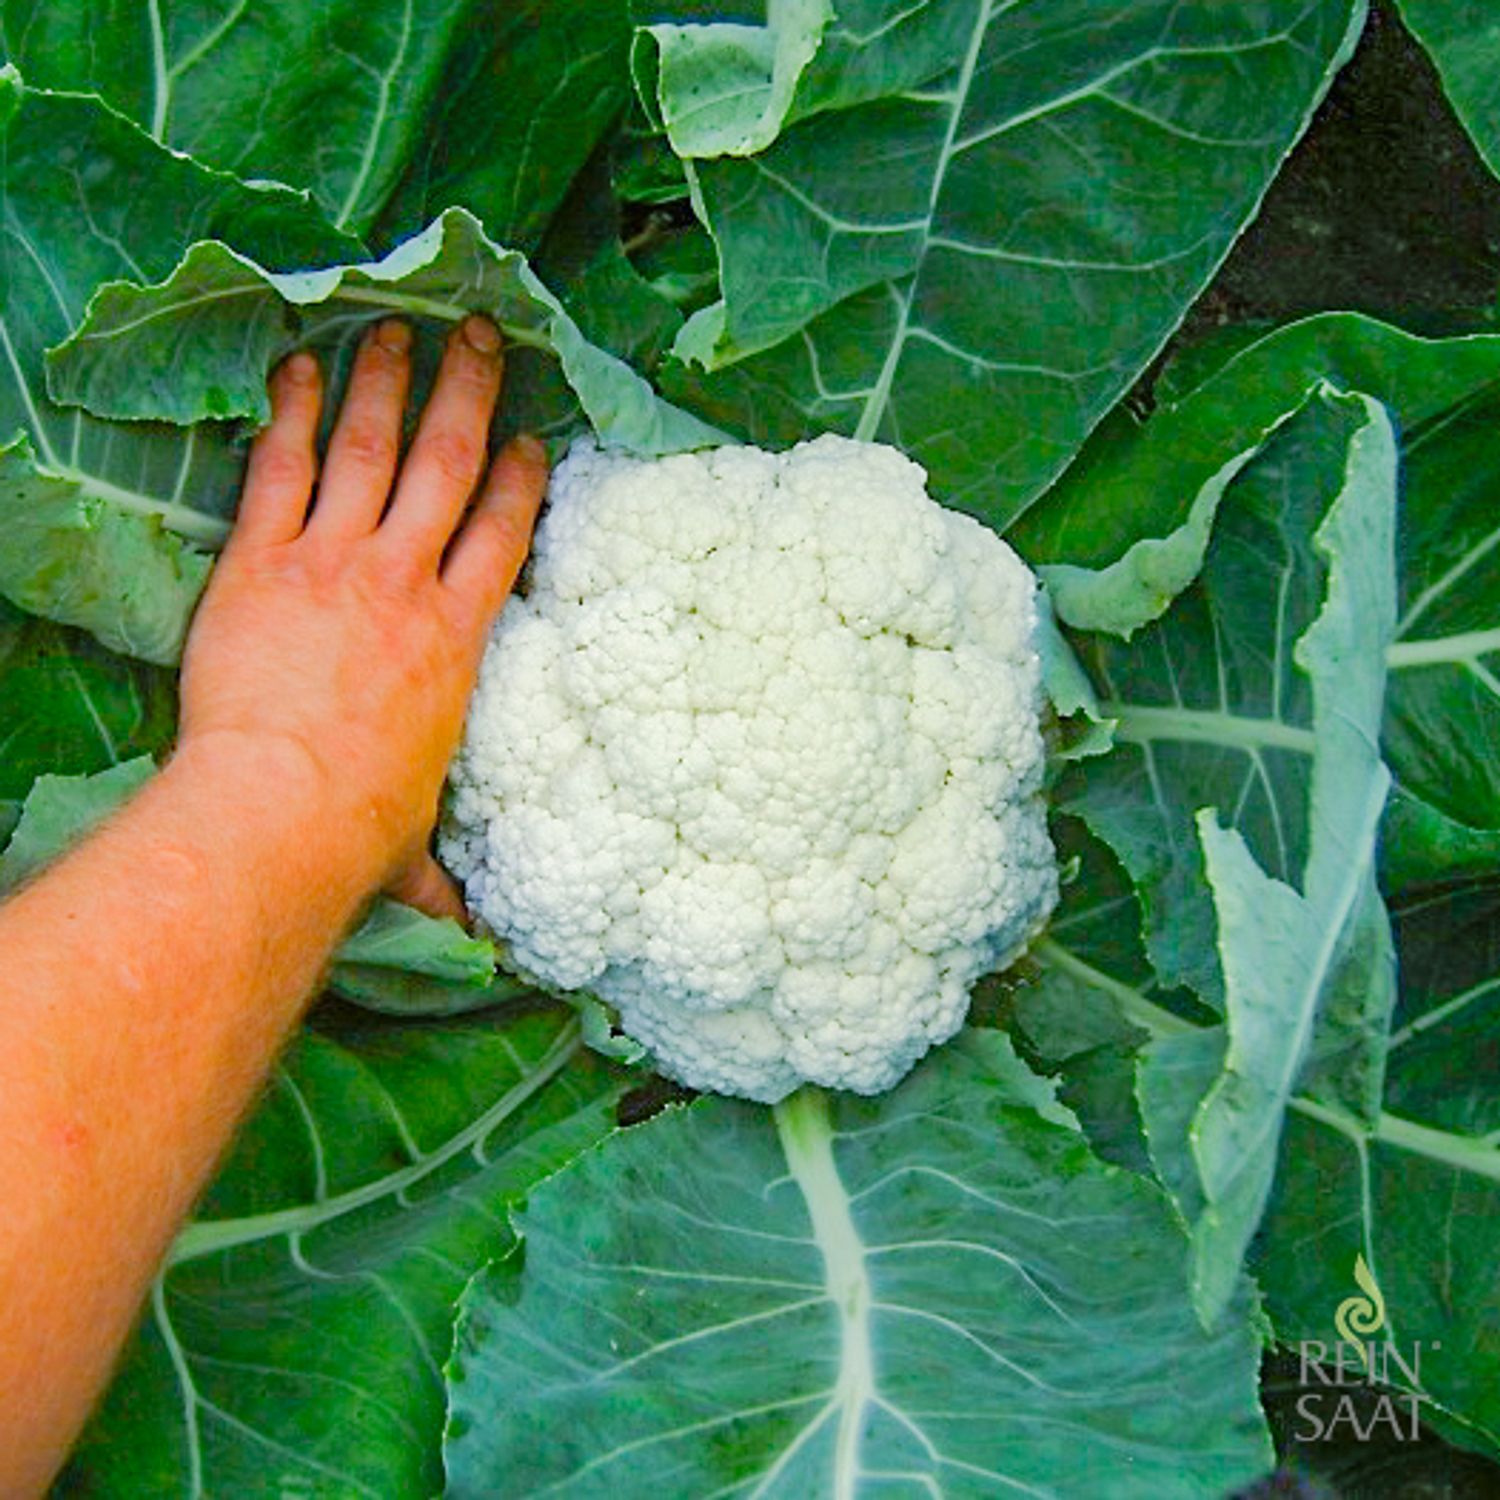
757,760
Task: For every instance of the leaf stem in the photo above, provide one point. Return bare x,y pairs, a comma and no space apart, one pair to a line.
1442,649
1139,722
1135,1007
1440,1013
806,1133
195,525
1461,1152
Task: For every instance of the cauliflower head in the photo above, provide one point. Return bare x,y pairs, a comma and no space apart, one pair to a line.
757,760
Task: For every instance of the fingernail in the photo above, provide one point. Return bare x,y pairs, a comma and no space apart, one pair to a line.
301,368
481,334
532,449
393,335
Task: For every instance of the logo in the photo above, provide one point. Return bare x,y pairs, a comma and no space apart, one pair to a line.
1358,1317
1361,1385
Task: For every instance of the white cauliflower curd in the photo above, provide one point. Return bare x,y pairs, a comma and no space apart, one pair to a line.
757,760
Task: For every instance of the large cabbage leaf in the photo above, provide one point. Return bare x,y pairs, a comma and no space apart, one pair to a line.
974,256
1410,1188
1257,703
200,344
1216,705
941,1290
1442,729
1414,1191
385,110
1303,1102
1171,473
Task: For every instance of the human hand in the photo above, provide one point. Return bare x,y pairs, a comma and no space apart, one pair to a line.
337,646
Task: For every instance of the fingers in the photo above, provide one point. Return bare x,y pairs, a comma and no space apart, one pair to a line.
283,458
425,885
488,552
448,454
360,465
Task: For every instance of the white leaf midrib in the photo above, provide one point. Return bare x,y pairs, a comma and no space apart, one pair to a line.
1444,650
875,407
372,137
1145,723
1442,585
212,1236
807,1139
1463,1153
161,78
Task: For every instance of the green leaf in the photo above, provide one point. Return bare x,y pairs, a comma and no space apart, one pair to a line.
679,265
71,550
976,266
1058,1003
724,88
294,1342
396,990
59,808
1072,1007
388,111
599,1029
644,168
1420,845
1135,481
528,92
1463,39
1211,708
1285,960
1415,1190
1161,483
851,1290
1139,586
401,962
1172,1079
98,520
1302,961
614,306
394,936
67,706
1298,959
323,94
799,57
210,331
1444,707
1411,1189
1069,691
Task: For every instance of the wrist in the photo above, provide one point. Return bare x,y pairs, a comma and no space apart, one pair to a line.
280,791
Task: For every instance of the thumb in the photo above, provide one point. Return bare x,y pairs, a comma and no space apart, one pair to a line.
425,885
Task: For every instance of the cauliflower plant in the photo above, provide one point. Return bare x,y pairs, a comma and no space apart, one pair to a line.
757,760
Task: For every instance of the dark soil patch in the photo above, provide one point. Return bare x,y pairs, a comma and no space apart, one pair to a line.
1384,208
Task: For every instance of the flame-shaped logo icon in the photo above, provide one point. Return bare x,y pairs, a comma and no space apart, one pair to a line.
1358,1317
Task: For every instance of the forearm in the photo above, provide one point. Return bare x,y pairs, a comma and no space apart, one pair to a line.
150,979
147,981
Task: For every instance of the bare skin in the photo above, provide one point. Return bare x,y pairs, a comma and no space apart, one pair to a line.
151,976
